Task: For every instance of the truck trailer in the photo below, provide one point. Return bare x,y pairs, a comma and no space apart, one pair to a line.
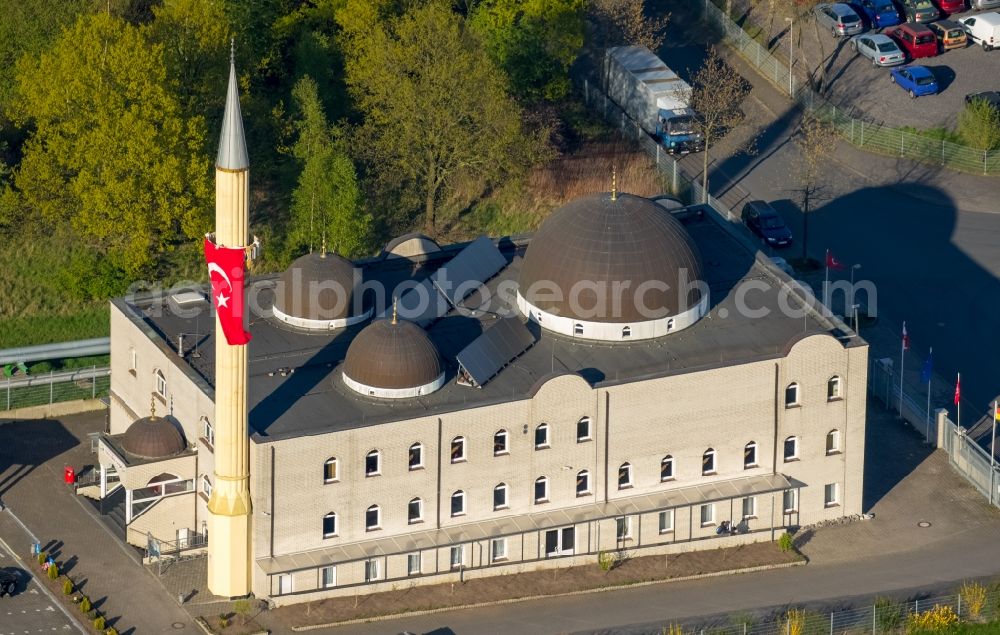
654,96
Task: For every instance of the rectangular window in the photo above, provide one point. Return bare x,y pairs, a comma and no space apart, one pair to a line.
666,521
161,384
371,570
284,583
583,430
413,564
560,542
328,577
750,507
457,556
208,432
790,501
831,495
498,549
708,514
833,442
500,497
206,486
791,448
416,458
623,527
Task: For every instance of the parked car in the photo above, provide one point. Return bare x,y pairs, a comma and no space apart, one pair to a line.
879,13
880,49
764,221
979,5
8,583
949,7
991,97
983,29
839,18
919,10
918,81
915,39
950,34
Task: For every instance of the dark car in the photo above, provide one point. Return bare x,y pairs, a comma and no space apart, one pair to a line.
991,97
8,582
919,10
879,13
764,221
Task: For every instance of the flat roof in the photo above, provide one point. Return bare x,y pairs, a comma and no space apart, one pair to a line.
295,386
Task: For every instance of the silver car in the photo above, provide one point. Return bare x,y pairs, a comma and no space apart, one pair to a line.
839,18
979,5
880,49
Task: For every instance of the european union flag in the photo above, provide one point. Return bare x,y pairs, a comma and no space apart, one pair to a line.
928,368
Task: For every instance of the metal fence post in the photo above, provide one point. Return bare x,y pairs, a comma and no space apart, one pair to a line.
51,387
984,162
862,133
902,137
93,381
8,393
852,129
916,606
831,623
874,627
959,611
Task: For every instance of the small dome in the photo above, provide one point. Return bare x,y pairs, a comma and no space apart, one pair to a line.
153,438
628,246
393,359
318,287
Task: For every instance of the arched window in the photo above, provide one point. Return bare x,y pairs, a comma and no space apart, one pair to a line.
708,462
458,503
500,496
833,441
373,518
373,463
541,490
626,332
415,458
791,448
542,436
625,476
330,474
577,329
583,430
833,388
792,395
582,483
458,449
750,455
414,511
500,443
667,468
330,525
160,383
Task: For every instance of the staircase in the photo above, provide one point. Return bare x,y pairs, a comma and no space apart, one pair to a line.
113,511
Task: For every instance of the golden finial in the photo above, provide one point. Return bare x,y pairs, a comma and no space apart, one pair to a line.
152,407
614,183
322,251
394,320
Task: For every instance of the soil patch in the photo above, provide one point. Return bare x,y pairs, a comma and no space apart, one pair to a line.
531,584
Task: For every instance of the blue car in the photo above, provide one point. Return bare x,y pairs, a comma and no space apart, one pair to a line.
878,13
916,80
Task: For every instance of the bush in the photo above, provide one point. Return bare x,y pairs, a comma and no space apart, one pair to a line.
110,631
673,629
53,572
85,604
606,560
935,620
785,542
67,586
973,598
979,125
888,615
795,621
42,556
99,623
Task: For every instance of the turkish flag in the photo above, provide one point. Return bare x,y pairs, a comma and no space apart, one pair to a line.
225,270
958,390
832,262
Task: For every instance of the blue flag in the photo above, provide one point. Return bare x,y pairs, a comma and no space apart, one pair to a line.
927,368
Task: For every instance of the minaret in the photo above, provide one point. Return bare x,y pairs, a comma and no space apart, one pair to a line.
229,505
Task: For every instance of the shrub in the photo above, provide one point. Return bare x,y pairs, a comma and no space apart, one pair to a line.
888,615
795,621
111,630
606,560
973,598
673,629
242,608
785,542
99,623
935,620
85,604
223,620
53,572
67,586
979,125
42,556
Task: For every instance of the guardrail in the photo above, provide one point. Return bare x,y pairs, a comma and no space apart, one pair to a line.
42,352
53,387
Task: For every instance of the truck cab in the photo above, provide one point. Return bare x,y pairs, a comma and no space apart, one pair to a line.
677,132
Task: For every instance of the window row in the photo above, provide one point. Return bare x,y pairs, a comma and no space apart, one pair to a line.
793,396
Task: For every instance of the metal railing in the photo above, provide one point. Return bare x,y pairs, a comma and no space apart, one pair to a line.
53,387
867,135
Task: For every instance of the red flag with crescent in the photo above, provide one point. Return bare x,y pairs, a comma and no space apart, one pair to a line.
225,270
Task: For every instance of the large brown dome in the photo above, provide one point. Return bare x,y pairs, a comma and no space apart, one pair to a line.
153,438
318,287
392,355
612,241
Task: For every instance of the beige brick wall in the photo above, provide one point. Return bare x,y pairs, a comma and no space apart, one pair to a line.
164,519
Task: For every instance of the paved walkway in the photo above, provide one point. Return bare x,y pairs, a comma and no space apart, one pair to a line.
32,456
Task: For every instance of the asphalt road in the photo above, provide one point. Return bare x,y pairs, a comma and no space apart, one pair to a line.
30,610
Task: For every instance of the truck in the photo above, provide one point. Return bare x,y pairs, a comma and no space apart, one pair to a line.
654,96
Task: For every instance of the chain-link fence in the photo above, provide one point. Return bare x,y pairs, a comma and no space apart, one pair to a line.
871,136
53,387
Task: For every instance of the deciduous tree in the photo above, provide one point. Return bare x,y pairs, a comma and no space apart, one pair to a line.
630,22
979,125
815,140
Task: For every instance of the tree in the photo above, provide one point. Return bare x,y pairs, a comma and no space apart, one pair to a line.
326,204
111,158
435,105
815,140
628,22
717,94
979,125
533,41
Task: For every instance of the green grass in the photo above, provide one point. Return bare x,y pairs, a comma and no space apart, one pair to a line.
938,134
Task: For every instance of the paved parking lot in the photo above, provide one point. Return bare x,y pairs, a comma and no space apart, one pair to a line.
30,610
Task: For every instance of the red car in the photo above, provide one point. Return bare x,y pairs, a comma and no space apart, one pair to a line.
950,6
915,39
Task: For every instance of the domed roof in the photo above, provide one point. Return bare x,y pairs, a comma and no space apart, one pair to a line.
318,286
392,355
153,437
606,242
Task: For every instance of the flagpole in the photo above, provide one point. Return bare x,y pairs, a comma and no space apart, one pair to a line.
958,402
902,356
927,416
993,460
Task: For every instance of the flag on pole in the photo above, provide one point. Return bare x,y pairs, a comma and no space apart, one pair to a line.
832,262
996,411
906,338
958,390
225,270
928,368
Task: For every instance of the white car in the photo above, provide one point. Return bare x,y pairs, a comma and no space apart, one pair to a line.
880,49
983,29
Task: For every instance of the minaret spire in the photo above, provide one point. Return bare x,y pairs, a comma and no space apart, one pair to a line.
232,143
